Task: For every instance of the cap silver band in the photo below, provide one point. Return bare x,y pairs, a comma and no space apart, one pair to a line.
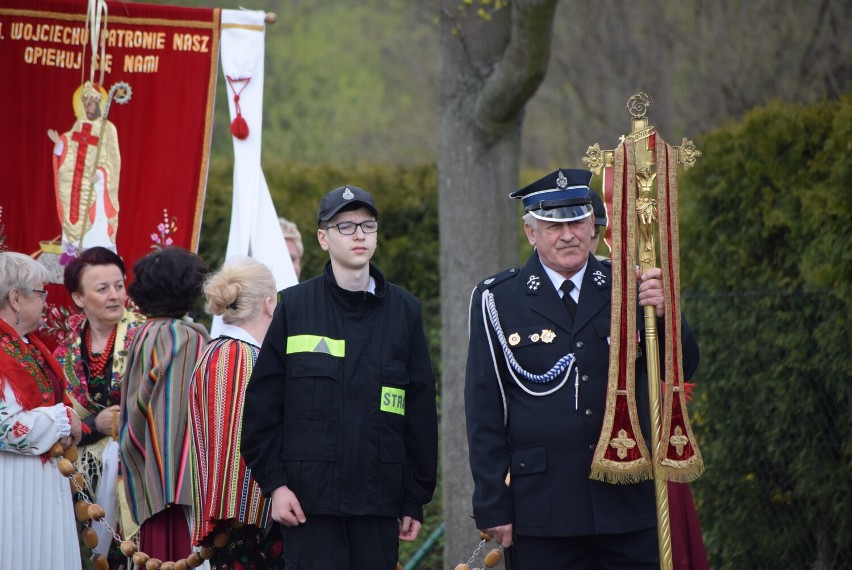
563,213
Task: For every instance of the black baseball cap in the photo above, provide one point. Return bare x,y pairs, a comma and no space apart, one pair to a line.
343,199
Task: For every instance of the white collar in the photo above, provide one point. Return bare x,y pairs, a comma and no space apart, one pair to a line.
238,333
576,279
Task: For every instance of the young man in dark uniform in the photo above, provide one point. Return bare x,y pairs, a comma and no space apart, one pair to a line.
340,423
535,395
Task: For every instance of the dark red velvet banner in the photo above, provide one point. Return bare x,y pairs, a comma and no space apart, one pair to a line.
168,56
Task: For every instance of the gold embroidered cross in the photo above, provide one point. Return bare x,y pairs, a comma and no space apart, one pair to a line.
622,443
678,440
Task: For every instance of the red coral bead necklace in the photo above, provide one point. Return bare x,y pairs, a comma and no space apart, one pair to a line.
97,363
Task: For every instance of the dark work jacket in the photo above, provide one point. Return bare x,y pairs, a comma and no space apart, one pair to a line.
549,443
341,406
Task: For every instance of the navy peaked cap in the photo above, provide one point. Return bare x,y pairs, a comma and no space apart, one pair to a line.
561,196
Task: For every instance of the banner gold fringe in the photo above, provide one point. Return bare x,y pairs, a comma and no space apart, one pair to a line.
679,458
621,455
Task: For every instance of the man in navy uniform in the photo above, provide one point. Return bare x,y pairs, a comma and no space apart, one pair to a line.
535,395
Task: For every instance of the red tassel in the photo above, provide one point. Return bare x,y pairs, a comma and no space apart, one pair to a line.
239,128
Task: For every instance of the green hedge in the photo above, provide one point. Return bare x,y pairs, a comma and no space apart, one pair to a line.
766,269
407,200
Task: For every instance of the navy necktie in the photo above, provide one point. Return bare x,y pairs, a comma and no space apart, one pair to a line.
567,300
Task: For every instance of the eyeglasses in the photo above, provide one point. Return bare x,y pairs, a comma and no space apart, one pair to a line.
348,228
41,292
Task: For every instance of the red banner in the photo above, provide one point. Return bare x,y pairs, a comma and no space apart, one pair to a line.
130,174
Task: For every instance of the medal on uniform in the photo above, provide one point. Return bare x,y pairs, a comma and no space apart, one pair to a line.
547,336
514,339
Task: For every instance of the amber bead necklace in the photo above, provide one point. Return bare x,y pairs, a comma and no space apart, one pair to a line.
86,511
494,556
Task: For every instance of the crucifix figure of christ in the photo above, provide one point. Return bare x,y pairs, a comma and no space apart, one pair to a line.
646,211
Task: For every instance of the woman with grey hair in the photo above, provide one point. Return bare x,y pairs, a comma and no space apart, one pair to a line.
294,244
224,492
37,528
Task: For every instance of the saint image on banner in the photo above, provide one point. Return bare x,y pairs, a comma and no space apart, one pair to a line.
86,166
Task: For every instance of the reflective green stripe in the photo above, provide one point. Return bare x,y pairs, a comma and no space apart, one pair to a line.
393,400
314,343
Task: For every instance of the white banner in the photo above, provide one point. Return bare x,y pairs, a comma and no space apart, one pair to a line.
255,230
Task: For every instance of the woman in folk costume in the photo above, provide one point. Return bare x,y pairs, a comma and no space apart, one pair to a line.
243,293
93,357
37,526
154,440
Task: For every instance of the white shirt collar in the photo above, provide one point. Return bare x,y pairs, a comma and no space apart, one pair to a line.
238,333
577,279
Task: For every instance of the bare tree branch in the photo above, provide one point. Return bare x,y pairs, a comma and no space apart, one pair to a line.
520,71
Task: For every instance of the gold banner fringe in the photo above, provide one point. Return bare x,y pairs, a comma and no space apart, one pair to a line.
690,468
624,295
616,473
682,471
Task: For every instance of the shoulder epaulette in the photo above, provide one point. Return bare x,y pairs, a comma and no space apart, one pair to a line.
498,278
607,262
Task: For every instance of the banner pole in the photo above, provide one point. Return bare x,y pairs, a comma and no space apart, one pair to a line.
646,216
644,180
661,490
642,139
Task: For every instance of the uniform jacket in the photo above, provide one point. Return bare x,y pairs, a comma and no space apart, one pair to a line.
341,404
549,440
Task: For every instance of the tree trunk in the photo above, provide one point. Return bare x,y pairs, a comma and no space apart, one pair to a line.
479,236
490,69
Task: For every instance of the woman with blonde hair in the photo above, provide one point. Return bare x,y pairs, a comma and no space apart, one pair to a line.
225,495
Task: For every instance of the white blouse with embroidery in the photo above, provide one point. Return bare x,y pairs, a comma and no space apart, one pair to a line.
37,529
